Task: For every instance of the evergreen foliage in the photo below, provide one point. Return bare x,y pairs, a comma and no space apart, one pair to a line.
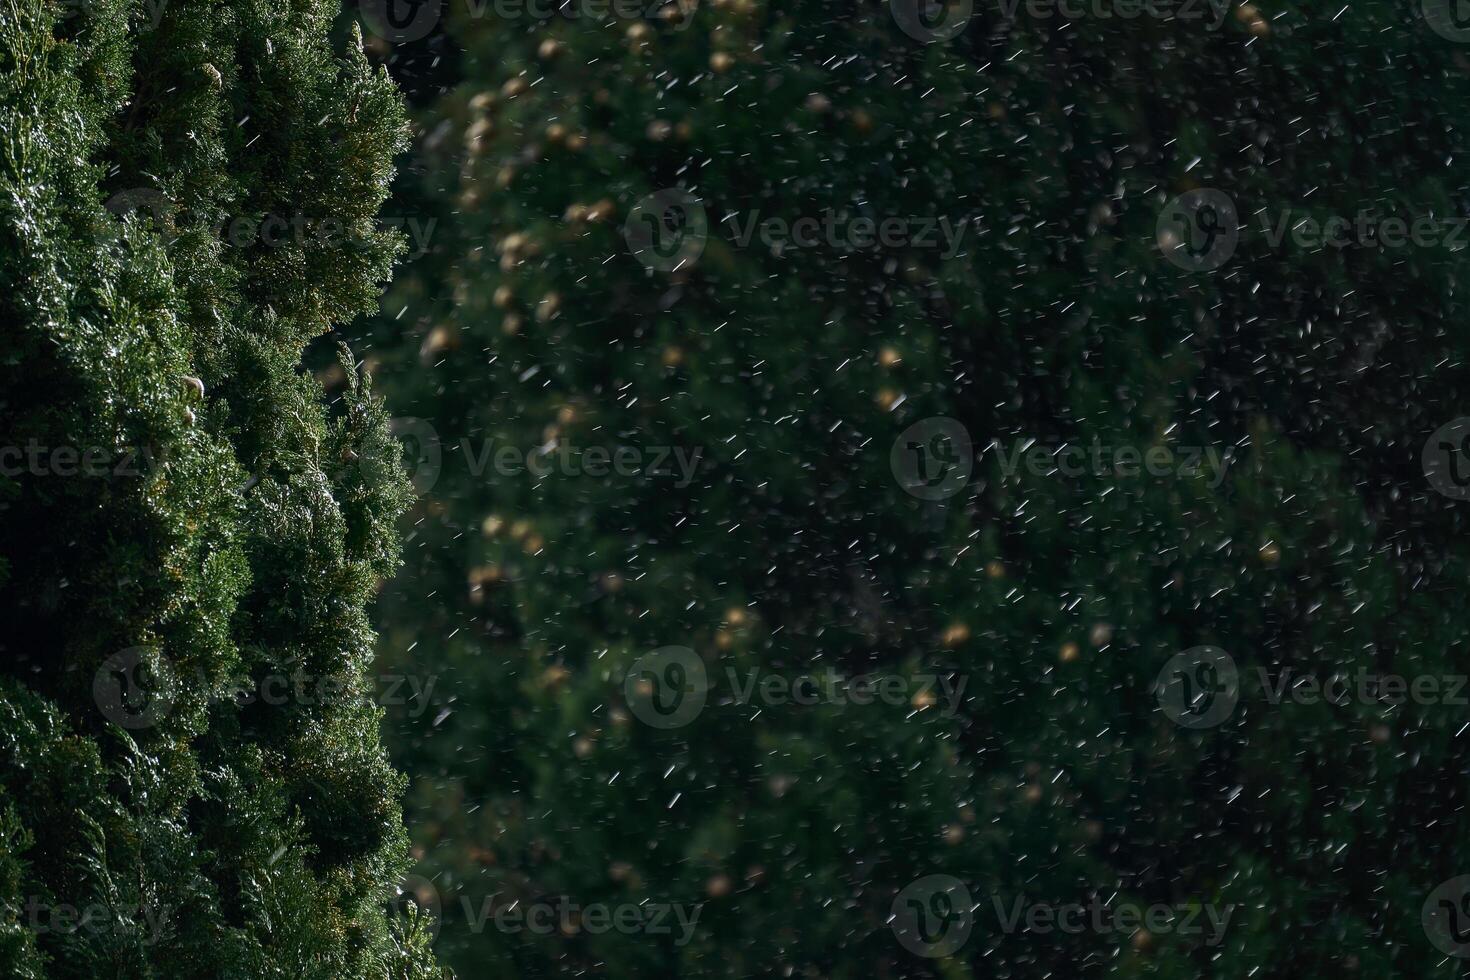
190,516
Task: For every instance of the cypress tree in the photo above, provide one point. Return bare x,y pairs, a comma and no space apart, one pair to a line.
184,517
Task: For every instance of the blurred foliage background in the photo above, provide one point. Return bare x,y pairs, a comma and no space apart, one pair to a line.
1055,142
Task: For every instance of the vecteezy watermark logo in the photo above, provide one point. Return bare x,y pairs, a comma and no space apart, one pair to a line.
417,895
932,21
667,229
677,15
401,21
564,458
35,459
1365,229
1103,917
846,233
132,688
151,202
1198,230
145,922
414,692
1171,10
329,232
1450,19
272,230
152,10
1446,917
667,688
138,687
831,687
1099,459
423,457
670,229
933,917
1199,687
933,458
1446,458
567,917
1363,686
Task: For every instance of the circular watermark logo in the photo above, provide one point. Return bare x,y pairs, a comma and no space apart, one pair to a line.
1446,459
1198,230
418,892
932,21
933,458
132,688
145,16
1198,687
401,21
667,688
933,917
667,229
77,8
1446,917
150,201
423,456
1450,19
